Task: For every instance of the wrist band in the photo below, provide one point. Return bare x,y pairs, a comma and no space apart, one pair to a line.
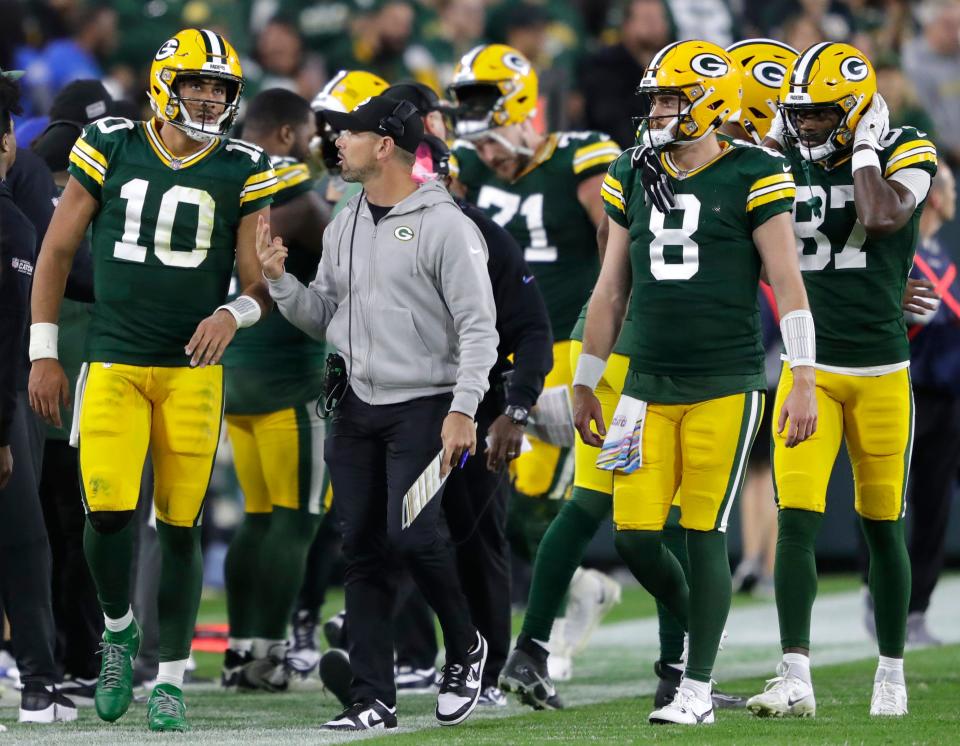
43,341
244,309
865,159
589,371
799,338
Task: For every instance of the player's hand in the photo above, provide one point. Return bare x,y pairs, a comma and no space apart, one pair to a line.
48,387
211,338
586,410
656,184
506,438
6,465
777,130
873,125
920,298
459,436
270,251
799,411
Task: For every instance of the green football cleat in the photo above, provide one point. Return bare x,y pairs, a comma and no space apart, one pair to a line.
166,710
115,685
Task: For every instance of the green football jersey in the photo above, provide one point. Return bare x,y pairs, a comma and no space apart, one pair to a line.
540,209
696,322
855,283
164,239
272,365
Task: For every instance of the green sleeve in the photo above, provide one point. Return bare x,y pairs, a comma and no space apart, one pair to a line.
259,188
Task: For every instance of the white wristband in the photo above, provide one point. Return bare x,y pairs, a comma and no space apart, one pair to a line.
589,371
865,159
244,309
799,338
43,341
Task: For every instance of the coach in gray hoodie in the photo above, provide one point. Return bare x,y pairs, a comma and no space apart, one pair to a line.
404,295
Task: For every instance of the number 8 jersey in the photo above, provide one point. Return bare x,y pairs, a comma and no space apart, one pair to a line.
696,322
164,239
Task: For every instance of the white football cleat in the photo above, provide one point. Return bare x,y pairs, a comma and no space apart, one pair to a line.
560,661
785,695
592,595
685,709
889,698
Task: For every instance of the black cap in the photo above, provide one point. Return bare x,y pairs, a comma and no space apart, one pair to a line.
55,143
420,95
82,101
383,116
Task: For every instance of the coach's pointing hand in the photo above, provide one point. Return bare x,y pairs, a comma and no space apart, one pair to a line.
270,251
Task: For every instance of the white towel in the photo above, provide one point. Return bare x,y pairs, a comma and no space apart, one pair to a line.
622,449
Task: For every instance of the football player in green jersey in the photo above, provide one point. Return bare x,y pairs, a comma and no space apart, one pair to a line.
545,190
273,376
692,219
173,205
860,192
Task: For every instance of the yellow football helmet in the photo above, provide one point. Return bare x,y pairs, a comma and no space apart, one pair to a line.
707,81
763,66
493,86
195,53
828,75
344,92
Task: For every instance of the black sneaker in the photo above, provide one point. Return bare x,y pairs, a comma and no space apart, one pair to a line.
460,685
334,631
44,704
336,674
79,691
303,655
233,663
364,716
669,681
527,677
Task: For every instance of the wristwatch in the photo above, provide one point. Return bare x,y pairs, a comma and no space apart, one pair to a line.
518,415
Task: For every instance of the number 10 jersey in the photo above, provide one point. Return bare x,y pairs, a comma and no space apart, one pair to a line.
164,239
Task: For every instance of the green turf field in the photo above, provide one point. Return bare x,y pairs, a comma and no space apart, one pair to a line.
610,695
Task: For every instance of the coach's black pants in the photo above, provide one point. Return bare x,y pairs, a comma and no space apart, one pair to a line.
933,473
375,454
25,553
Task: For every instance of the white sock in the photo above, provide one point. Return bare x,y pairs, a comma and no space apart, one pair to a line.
798,665
891,669
240,644
700,688
118,625
171,672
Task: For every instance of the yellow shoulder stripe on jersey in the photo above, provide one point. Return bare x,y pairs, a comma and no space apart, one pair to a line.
454,165
91,168
153,137
91,151
612,191
766,181
594,155
290,176
771,194
258,186
910,154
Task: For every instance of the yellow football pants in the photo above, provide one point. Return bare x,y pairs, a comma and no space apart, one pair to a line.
176,412
874,414
693,455
279,459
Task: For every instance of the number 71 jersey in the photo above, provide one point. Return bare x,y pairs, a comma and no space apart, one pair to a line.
164,239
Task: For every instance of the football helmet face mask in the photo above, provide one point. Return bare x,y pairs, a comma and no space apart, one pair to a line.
763,66
344,92
493,86
827,76
706,82
188,55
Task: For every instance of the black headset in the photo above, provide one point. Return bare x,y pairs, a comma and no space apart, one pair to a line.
395,123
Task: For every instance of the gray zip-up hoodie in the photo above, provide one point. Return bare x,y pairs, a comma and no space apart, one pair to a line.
423,310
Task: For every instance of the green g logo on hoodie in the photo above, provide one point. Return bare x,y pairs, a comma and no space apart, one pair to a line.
404,233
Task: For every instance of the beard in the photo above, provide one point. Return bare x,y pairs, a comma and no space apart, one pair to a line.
357,174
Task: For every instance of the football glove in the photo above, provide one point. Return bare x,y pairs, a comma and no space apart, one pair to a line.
657,190
776,130
873,125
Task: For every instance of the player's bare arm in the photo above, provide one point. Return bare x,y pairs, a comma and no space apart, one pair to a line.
776,245
883,207
48,385
588,195
300,221
608,305
215,332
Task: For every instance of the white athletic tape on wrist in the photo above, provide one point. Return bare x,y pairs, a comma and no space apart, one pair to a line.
799,338
244,309
43,341
589,371
865,159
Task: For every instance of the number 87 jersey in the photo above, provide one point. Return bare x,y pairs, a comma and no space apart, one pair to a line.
164,239
696,270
